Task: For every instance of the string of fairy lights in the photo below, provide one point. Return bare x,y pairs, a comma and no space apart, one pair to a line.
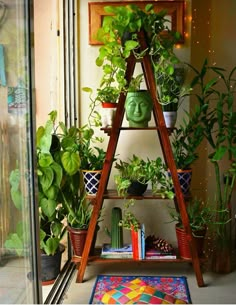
196,19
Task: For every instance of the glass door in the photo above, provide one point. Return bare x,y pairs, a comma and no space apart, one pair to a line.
18,207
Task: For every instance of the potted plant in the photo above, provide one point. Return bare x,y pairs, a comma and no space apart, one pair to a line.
138,104
215,98
71,149
185,140
58,170
107,97
91,158
171,92
138,171
200,215
118,34
52,231
78,217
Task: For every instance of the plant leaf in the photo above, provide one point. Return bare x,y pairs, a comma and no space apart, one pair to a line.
70,162
48,206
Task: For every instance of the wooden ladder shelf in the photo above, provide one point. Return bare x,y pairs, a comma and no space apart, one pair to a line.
163,134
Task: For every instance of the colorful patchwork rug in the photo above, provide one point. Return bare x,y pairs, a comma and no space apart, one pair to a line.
173,285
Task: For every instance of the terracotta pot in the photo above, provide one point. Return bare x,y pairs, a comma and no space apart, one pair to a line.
78,238
183,244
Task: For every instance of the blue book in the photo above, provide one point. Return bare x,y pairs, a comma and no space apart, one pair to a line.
108,250
143,241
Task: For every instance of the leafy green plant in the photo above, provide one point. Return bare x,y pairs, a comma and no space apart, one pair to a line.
137,169
91,157
61,153
119,37
171,90
186,139
103,95
131,19
135,83
200,214
58,169
78,213
215,97
129,220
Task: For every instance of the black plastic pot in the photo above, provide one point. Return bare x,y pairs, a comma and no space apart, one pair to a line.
51,266
137,188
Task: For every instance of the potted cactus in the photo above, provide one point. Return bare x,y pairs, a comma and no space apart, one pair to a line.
116,231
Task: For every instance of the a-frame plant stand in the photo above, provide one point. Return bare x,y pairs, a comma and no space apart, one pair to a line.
103,193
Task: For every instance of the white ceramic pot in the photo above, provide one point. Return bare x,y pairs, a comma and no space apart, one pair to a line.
108,114
170,118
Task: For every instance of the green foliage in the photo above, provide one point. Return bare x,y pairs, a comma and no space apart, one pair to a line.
186,139
119,37
55,162
79,213
171,89
129,220
61,153
135,83
103,95
215,97
107,94
92,157
118,34
137,169
200,214
59,174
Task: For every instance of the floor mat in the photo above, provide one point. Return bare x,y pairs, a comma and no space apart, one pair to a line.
173,285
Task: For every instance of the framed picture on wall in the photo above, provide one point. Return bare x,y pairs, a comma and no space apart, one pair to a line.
175,13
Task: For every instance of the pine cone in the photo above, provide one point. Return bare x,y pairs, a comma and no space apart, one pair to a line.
162,245
158,243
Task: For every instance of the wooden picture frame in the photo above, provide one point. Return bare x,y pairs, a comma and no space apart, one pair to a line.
175,9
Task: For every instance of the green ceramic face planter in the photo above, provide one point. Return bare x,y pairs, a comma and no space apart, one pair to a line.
138,106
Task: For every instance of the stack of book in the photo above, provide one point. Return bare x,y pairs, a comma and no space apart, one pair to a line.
124,252
158,254
138,243
137,249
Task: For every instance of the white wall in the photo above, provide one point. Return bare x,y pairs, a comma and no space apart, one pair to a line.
48,59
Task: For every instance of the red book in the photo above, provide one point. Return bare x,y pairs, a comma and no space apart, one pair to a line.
134,241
